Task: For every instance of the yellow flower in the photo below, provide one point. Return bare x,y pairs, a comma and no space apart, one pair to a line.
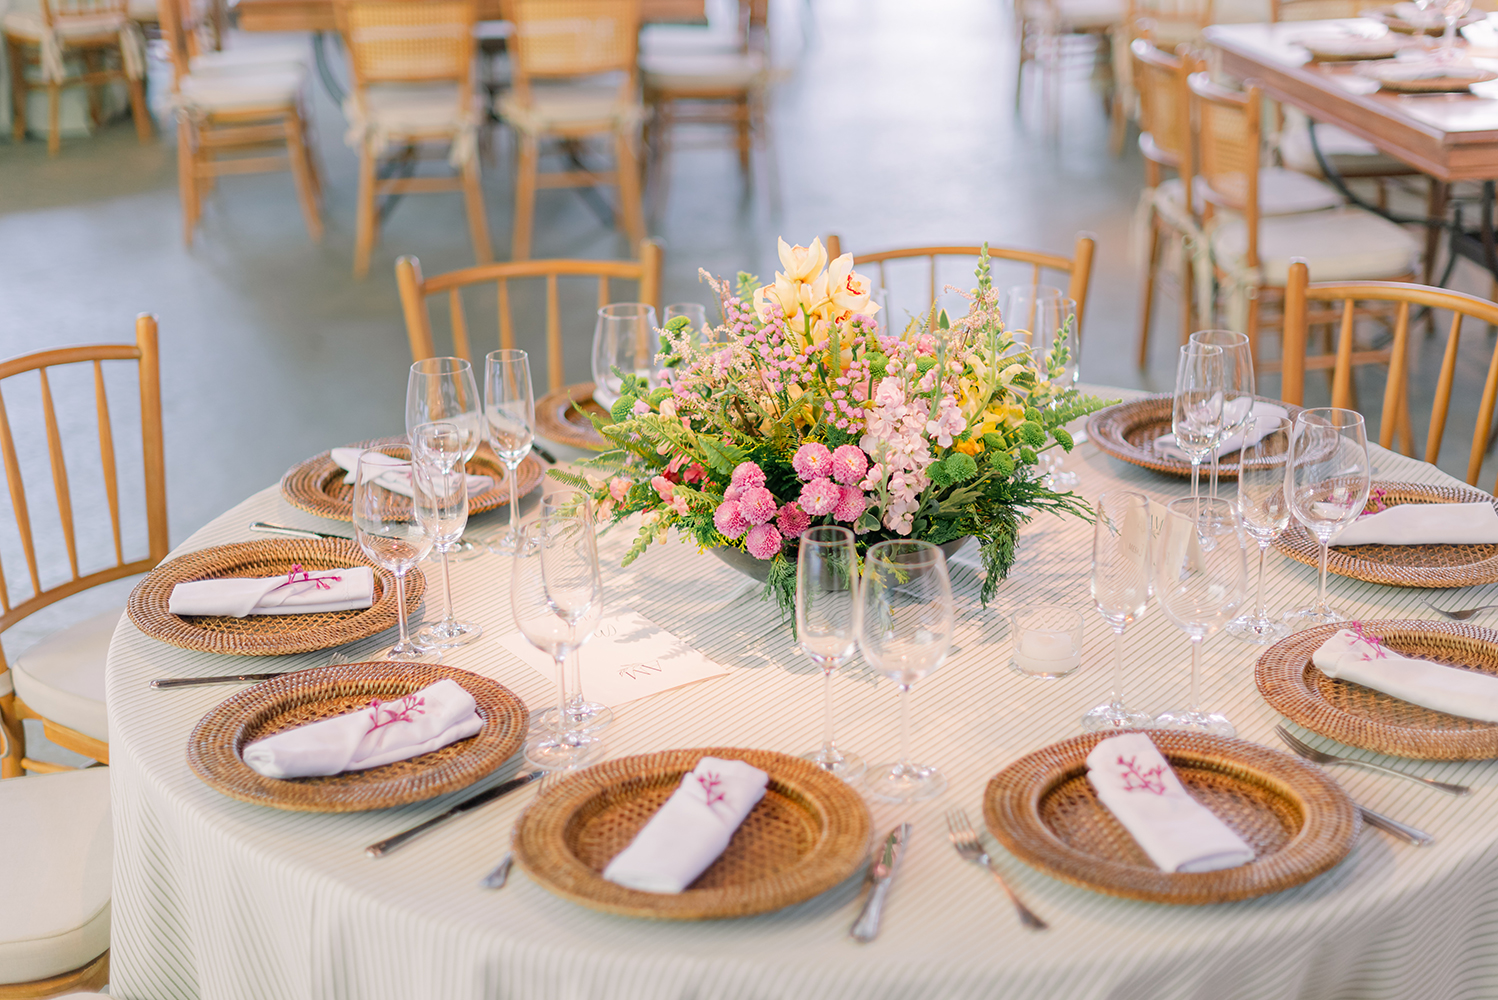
848,289
972,446
802,263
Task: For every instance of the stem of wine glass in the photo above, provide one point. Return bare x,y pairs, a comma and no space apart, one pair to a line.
904,726
1261,610
827,732
1214,471
562,718
514,502
400,605
1117,697
1196,673
447,588
575,675
1196,471
1321,607
1449,37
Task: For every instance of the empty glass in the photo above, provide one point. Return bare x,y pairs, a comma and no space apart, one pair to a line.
443,389
510,413
827,614
625,339
387,530
1196,413
1327,481
1040,316
1120,591
439,495
1451,12
905,634
1237,386
1265,513
696,315
560,502
1047,641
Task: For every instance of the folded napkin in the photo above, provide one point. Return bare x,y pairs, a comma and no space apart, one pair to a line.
1165,444
1397,72
398,478
299,592
687,834
1352,655
1410,13
1424,524
381,733
1179,834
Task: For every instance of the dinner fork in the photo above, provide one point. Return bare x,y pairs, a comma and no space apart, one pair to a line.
501,873
965,839
1310,753
1461,614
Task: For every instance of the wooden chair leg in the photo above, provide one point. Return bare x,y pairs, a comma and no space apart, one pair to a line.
365,220
91,64
628,171
301,174
18,90
525,197
1253,327
478,219
144,129
741,109
187,179
1435,208
14,738
54,126
1147,293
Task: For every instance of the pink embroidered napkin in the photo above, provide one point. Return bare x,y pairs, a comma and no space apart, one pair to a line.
687,834
1354,655
299,592
381,733
1135,781
398,478
1424,524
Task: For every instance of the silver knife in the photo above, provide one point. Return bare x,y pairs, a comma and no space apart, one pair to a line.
1417,837
282,529
882,869
498,791
184,682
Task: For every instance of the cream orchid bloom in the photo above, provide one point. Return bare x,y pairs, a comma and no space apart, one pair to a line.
849,290
802,263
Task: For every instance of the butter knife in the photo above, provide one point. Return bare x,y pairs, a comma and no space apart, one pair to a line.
284,529
882,869
500,790
184,682
1392,826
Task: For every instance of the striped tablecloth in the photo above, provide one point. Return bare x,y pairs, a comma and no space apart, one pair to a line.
218,899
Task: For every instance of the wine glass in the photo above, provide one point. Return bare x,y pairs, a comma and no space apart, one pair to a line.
1451,12
1237,387
827,616
510,411
1327,481
1200,578
696,315
1120,591
1265,513
1196,413
443,389
439,495
556,593
386,529
905,633
624,338
1040,316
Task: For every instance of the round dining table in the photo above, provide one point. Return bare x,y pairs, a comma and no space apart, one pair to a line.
220,899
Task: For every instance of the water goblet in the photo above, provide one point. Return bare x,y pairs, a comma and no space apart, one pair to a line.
1265,513
625,339
1043,318
1327,481
1237,388
696,315
443,389
387,531
1451,12
827,614
1196,411
1120,591
439,496
510,412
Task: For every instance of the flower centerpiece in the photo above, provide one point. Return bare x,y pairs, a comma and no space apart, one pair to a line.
803,410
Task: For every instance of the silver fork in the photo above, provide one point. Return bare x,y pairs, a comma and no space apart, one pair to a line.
1310,753
1461,614
965,839
501,873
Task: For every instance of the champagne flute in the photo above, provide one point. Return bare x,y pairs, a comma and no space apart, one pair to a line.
1120,591
1196,412
1327,480
1451,12
439,495
564,502
827,618
1200,578
905,633
1237,388
1265,513
510,411
387,531
443,389
624,338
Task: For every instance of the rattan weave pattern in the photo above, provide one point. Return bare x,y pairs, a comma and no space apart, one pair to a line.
1403,565
265,635
1372,720
316,485
1128,432
1298,820
557,420
303,696
809,833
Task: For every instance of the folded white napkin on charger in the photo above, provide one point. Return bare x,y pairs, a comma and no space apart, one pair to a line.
1347,656
382,733
1424,524
398,479
300,592
1410,13
687,834
1135,781
1165,444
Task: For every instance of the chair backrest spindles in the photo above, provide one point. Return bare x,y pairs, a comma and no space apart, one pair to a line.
106,460
409,41
570,38
59,472
1228,136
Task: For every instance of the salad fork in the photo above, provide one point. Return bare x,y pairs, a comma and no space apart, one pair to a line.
1461,614
965,839
1315,756
501,873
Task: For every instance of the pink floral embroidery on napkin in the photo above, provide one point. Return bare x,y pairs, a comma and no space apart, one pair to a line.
710,782
1377,501
404,711
299,575
1136,780
1374,643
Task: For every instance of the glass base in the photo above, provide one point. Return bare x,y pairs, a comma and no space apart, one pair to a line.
848,766
1259,631
1195,721
448,633
550,752
1114,716
504,544
899,782
1307,617
583,716
411,652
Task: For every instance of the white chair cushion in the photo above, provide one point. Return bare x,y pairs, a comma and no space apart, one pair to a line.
568,106
252,59
62,677
1349,155
493,31
686,39
713,69
1170,202
143,10
1076,15
395,110
1284,192
30,26
57,844
1340,244
217,91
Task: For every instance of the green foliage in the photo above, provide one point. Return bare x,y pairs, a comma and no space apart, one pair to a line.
1032,434
960,468
569,478
657,395
925,363
622,409
677,323
1063,438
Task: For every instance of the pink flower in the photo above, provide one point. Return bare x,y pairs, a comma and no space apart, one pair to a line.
820,496
792,520
757,504
694,473
849,464
662,486
748,474
733,493
850,504
763,541
641,408
619,488
811,460
679,504
729,520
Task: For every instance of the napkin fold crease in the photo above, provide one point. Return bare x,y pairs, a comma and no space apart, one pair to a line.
296,593
1424,524
1349,656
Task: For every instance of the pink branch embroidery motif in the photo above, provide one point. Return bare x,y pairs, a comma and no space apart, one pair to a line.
1136,780
1377,501
1375,643
710,783
404,711
299,575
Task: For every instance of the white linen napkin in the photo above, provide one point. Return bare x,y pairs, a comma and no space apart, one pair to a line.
398,479
1165,444
382,733
1424,524
1470,694
1135,781
299,592
1410,13
687,834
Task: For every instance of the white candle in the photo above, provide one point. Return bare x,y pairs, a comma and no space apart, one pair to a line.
1046,651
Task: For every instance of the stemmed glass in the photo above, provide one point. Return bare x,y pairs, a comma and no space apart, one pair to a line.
1237,387
443,389
1265,513
439,494
1120,591
386,529
1196,414
1039,315
590,716
827,616
556,593
510,412
905,633
625,337
1200,578
1327,481
696,315
1451,12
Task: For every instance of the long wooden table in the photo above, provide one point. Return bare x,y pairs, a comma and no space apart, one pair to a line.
317,15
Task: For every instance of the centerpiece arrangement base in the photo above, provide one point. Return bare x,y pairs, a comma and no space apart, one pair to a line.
759,569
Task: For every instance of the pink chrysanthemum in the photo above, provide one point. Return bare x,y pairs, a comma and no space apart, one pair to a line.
733,493
729,520
849,463
820,496
763,541
850,504
757,504
792,520
747,474
811,460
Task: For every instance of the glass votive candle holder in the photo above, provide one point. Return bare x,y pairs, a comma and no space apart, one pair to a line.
1047,641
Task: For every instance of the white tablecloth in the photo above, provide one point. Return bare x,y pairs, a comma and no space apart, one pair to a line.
218,899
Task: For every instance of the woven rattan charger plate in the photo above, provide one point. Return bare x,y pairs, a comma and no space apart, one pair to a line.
557,418
265,635
1128,431
809,833
1403,565
1390,18
1298,821
317,485
295,699
1363,717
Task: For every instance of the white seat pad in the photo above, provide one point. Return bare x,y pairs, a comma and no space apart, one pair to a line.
686,39
1349,155
30,26
1284,192
568,105
57,844
251,58
218,91
62,677
712,69
1341,244
1076,15
395,110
